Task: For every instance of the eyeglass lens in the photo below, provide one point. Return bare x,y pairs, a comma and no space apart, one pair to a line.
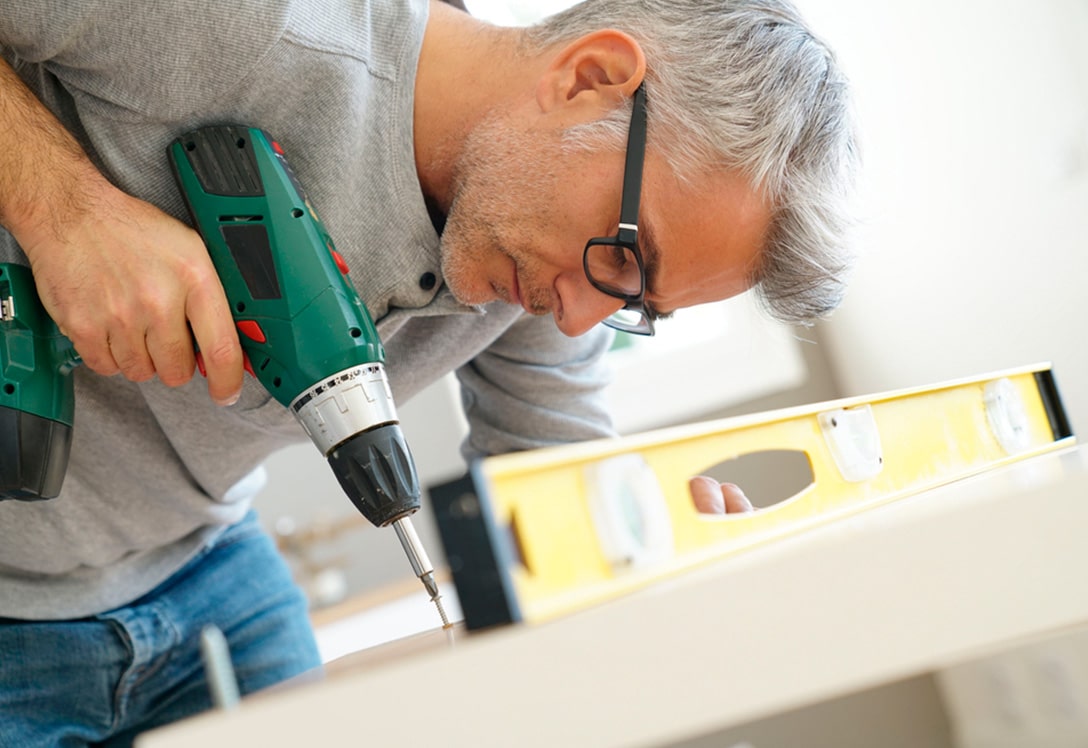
613,268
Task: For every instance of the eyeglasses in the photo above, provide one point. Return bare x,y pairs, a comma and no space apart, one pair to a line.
614,264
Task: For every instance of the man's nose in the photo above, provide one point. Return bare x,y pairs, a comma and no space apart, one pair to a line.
581,305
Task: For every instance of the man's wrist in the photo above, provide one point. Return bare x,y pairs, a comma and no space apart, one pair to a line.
59,202
46,180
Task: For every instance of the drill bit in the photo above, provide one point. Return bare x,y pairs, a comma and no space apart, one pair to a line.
421,564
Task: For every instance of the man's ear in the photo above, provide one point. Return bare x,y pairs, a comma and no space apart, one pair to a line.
595,70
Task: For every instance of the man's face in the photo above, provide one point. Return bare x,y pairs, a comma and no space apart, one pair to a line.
524,207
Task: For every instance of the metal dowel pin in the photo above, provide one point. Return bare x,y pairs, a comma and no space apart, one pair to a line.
218,668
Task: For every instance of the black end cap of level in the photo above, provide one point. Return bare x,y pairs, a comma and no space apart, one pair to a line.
1060,425
376,471
475,548
33,455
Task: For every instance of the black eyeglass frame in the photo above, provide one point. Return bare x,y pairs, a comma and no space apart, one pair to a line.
627,235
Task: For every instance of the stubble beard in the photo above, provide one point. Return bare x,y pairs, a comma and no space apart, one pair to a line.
500,183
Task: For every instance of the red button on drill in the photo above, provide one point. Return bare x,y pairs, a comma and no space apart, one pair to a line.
343,266
252,330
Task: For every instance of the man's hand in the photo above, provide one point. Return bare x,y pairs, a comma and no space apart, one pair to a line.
122,279
126,282
712,497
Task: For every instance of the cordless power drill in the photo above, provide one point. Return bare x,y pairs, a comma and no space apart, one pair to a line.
305,332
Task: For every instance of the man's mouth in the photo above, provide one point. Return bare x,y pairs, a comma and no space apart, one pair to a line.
515,290
535,310
514,296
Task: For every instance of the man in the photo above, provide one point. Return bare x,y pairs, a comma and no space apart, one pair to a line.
462,169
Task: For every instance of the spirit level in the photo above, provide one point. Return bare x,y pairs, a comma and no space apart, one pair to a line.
534,535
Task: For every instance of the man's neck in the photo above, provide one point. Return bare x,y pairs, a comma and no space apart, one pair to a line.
466,70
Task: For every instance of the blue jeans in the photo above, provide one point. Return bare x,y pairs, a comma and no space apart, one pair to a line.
102,680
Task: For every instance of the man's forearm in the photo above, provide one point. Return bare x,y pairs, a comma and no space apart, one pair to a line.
45,177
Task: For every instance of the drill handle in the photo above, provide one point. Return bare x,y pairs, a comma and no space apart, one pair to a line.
299,317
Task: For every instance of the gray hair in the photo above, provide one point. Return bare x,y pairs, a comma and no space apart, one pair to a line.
744,84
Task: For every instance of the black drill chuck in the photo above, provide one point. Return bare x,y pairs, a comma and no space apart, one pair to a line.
376,471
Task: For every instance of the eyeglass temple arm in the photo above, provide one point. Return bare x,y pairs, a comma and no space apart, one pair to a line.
632,168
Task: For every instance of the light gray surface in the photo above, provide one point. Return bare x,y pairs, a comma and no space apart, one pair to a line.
883,596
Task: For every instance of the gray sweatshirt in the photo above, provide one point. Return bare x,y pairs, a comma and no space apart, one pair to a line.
157,472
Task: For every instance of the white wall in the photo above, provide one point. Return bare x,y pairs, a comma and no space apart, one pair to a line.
975,122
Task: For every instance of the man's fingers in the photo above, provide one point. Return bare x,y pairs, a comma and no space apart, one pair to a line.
734,498
95,356
172,354
222,357
712,497
130,352
706,495
217,338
